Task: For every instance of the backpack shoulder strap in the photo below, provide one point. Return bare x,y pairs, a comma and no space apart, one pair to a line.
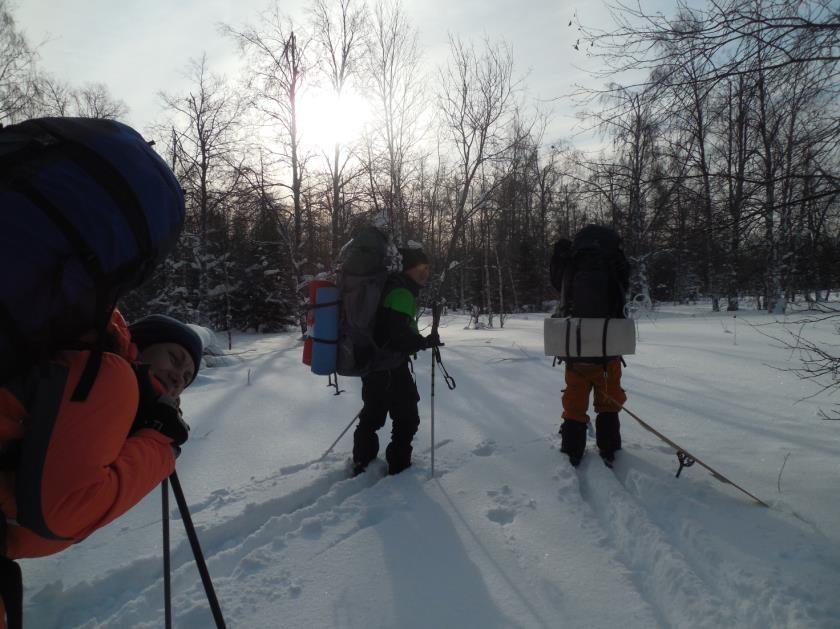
11,584
43,412
567,293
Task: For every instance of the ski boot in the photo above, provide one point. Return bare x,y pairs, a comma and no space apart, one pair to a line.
607,436
399,458
573,440
357,467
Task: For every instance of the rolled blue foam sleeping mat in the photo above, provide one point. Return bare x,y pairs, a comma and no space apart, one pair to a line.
325,332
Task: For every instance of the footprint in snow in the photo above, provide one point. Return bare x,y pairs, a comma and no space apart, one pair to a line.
507,505
485,448
501,515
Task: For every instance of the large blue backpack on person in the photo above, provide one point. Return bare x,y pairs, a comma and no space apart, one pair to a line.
87,210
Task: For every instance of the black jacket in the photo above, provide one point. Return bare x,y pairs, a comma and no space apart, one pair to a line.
396,331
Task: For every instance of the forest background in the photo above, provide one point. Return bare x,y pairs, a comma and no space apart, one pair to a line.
707,136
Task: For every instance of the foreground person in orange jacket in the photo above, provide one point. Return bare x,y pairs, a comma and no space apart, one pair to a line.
82,464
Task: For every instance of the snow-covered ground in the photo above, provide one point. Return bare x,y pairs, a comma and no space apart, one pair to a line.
506,534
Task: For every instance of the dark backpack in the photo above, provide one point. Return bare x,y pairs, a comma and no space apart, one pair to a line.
87,210
590,273
361,277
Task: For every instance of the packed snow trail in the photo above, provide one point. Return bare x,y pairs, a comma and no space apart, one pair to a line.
507,534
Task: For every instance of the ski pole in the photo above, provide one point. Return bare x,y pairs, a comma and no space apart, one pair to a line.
735,336
215,608
685,458
167,577
343,432
432,474
435,359
450,381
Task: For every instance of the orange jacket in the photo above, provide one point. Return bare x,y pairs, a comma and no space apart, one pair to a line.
87,469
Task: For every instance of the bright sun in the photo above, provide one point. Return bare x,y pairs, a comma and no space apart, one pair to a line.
326,119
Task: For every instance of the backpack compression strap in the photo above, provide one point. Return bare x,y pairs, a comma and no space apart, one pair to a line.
52,379
604,337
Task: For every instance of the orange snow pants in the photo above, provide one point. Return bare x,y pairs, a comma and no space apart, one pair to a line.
582,378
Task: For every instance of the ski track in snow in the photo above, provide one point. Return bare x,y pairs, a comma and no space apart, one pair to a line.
692,584
234,549
516,538
228,547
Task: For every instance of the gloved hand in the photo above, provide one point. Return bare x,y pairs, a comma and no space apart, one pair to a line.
157,410
433,340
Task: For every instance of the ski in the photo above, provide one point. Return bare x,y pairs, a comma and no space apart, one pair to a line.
687,459
377,468
380,467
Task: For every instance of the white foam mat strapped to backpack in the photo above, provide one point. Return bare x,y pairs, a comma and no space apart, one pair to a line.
573,337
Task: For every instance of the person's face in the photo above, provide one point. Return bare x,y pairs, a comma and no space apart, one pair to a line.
171,364
419,274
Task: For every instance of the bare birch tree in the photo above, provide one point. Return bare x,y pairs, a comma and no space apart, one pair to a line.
205,149
339,32
55,97
393,69
476,103
94,100
17,68
277,56
278,59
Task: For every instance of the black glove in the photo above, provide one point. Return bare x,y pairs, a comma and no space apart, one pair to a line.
433,340
157,410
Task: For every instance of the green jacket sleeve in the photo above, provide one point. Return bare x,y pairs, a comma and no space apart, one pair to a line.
399,311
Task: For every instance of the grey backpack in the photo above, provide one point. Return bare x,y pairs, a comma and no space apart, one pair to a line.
361,277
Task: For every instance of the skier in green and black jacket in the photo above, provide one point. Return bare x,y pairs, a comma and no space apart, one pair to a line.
390,388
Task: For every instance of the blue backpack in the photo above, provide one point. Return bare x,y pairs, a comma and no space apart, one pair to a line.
87,210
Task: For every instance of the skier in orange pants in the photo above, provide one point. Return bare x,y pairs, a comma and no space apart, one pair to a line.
592,276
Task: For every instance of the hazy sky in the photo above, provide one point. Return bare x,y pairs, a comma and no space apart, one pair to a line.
140,48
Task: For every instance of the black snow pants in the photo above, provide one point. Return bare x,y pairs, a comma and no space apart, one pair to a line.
391,391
